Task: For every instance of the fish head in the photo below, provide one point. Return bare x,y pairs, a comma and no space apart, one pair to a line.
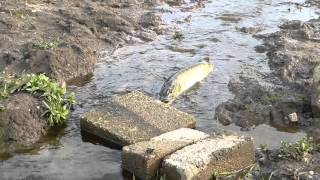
170,91
166,94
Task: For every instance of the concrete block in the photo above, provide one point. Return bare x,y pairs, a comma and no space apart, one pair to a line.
207,157
143,159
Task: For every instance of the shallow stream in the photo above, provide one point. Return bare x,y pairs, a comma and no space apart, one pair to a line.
210,31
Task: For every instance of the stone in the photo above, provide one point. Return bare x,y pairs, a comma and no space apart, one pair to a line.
134,117
293,117
143,159
211,156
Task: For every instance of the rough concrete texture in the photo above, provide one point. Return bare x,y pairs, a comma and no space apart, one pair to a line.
134,117
208,157
143,159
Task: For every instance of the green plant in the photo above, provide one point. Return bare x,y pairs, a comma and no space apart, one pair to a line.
55,98
263,147
178,35
272,98
10,85
233,174
298,149
47,45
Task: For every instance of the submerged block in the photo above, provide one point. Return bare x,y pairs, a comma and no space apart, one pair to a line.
143,159
134,117
207,157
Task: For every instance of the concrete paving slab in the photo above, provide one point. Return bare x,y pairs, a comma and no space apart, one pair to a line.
134,117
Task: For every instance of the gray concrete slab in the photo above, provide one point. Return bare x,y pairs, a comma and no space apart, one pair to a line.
143,159
134,117
207,157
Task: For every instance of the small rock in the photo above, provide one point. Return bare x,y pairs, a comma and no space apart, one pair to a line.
293,117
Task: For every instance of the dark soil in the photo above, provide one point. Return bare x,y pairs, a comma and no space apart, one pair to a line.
62,39
271,166
286,97
291,88
79,30
21,123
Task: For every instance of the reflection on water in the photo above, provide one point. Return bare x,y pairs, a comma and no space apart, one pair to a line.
144,66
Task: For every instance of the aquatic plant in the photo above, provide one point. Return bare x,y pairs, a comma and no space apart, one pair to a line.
298,149
55,98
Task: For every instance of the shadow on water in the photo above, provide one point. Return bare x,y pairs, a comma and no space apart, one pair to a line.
88,137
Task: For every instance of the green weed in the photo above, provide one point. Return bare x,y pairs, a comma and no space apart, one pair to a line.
233,174
55,98
298,149
263,147
270,99
48,45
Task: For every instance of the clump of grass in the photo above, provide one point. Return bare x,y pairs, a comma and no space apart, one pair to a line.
10,85
177,35
263,147
299,149
43,45
55,98
18,13
272,98
234,174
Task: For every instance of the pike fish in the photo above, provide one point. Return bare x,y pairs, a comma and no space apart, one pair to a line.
184,80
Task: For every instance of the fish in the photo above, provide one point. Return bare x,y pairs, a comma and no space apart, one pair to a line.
184,79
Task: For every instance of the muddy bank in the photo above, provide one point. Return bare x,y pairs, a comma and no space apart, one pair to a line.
63,38
299,160
288,94
21,123
286,97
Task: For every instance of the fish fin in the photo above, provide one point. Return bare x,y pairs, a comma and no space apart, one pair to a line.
206,59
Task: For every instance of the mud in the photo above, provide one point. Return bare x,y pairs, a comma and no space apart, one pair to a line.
289,88
287,96
21,124
61,38
271,166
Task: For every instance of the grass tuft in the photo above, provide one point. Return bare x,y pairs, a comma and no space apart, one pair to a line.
299,149
44,45
55,98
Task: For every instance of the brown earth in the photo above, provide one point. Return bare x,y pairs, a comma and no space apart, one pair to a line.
21,124
62,39
291,88
77,31
287,97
